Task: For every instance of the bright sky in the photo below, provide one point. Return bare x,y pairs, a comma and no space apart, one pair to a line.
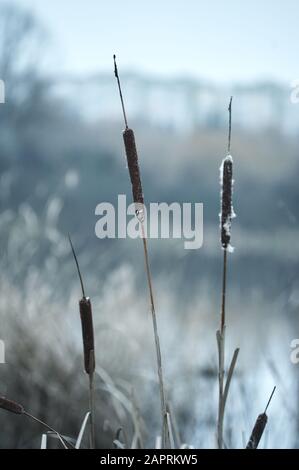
215,39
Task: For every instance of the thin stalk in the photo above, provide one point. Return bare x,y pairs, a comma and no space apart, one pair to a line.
92,410
157,341
65,444
221,352
220,394
120,92
269,401
229,124
78,267
222,326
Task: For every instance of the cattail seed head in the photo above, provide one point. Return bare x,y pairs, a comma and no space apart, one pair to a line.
10,405
227,211
132,159
257,431
87,334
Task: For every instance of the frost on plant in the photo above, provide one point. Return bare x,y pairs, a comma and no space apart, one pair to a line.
227,211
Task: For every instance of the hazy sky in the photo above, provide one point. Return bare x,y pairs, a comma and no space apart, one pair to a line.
217,39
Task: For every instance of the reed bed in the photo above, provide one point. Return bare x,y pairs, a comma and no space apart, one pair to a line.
170,434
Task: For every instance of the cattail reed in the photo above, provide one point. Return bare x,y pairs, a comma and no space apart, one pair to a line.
133,166
11,406
259,427
14,407
87,334
132,159
226,215
226,211
85,309
257,431
131,154
86,322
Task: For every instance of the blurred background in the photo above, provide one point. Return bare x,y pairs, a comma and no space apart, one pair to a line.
62,153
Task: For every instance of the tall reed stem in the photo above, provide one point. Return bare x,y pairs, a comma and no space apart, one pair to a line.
88,346
221,348
133,167
157,342
223,291
226,216
91,408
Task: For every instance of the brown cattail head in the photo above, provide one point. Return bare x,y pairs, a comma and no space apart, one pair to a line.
227,211
132,159
11,406
132,155
257,431
87,334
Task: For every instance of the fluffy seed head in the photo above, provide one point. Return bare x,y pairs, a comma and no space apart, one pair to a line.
227,212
